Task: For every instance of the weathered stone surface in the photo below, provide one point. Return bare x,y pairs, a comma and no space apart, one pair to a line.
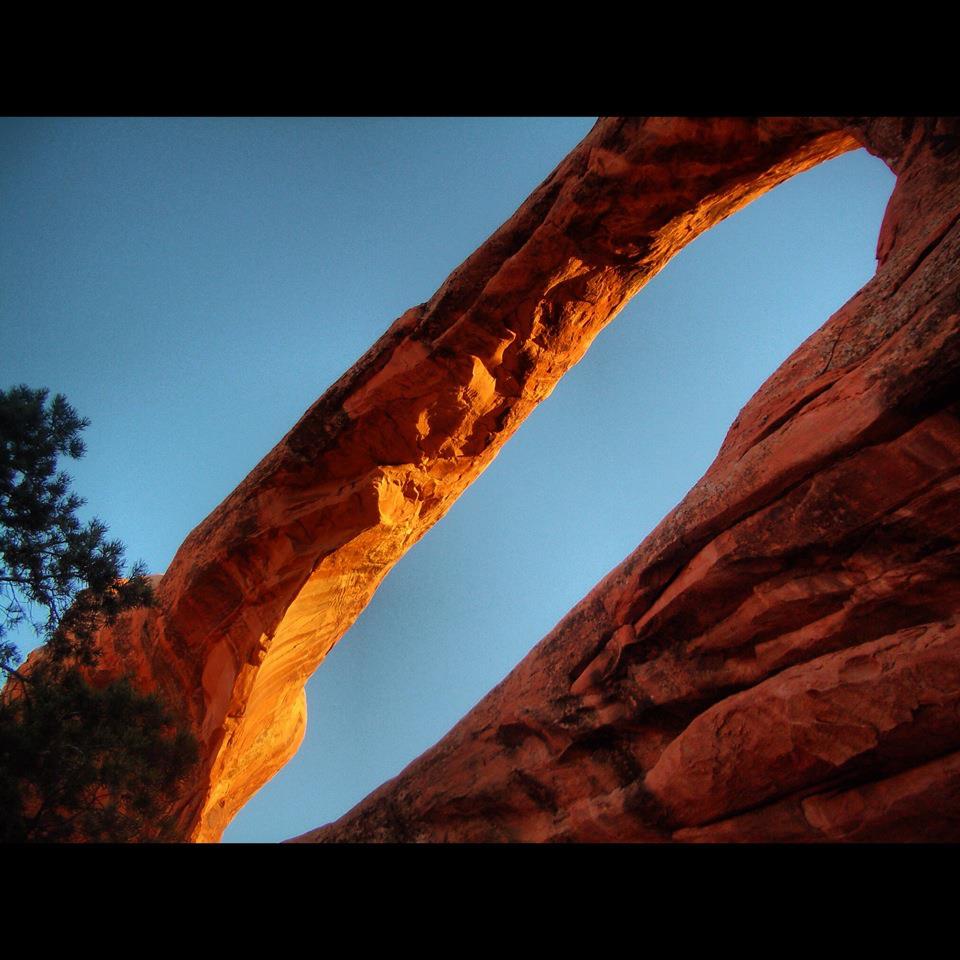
780,658
828,522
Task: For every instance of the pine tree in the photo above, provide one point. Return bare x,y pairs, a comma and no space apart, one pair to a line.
76,762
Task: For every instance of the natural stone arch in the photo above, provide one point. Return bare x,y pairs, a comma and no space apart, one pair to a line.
263,588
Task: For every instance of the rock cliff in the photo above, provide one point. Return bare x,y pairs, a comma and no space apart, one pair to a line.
778,660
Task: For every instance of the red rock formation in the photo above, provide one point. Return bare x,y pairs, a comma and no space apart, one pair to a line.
824,525
780,658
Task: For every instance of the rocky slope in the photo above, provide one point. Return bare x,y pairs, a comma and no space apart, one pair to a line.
779,655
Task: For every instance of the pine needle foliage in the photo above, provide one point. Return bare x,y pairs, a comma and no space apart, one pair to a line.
77,761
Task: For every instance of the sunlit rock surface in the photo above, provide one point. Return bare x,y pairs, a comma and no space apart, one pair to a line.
782,646
780,658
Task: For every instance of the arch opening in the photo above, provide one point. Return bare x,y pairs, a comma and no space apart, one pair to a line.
538,507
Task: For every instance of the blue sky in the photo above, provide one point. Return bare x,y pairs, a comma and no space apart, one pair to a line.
192,285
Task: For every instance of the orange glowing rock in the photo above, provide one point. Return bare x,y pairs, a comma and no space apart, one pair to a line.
780,658
826,528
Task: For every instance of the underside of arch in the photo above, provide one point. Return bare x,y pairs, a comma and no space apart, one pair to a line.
779,643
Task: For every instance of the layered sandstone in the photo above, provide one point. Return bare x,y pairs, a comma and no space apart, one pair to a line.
780,658
825,529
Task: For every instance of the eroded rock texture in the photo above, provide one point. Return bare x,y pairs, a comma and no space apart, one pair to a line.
780,658
777,659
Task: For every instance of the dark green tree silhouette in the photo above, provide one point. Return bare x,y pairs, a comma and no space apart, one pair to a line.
77,762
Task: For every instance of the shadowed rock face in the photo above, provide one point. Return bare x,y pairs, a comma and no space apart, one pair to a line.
778,660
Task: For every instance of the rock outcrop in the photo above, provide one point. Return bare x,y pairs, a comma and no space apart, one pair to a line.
778,660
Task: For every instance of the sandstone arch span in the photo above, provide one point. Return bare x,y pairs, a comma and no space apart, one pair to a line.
262,589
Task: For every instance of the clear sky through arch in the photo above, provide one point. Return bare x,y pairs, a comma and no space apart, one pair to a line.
192,285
